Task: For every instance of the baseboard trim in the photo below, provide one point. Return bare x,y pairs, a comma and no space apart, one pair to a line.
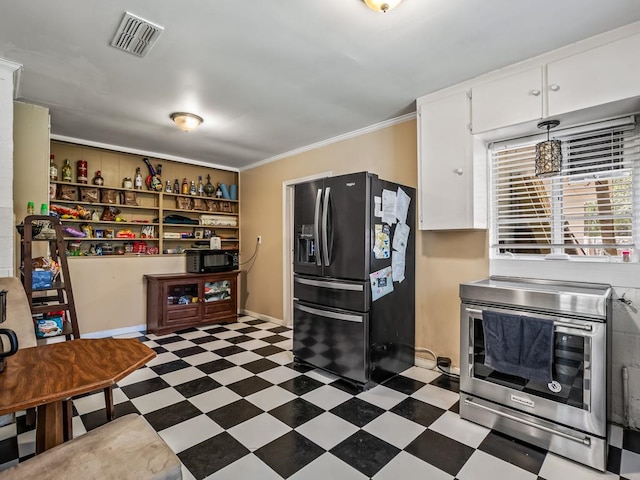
261,316
116,332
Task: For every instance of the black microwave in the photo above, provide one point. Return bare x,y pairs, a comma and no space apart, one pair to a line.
211,261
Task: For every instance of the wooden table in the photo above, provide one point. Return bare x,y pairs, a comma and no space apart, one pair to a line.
44,376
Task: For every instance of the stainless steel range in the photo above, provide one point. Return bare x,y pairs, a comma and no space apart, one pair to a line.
567,416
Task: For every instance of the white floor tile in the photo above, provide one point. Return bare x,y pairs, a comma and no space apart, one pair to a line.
630,465
231,375
437,396
78,427
249,467
163,358
421,374
216,345
118,396
89,403
183,375
394,429
327,467
326,397
405,466
235,326
138,376
194,334
482,466
200,358
219,397
270,398
615,436
174,346
156,400
190,432
327,430
228,334
259,334
322,376
279,374
283,358
285,344
186,474
382,396
555,467
258,431
27,443
254,345
8,431
451,425
243,357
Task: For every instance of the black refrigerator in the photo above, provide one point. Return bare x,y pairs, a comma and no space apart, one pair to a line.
353,316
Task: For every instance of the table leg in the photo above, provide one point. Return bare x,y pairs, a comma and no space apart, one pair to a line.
49,431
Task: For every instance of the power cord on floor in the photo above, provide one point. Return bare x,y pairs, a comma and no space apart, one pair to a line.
440,362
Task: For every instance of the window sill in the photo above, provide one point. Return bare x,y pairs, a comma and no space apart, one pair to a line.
607,270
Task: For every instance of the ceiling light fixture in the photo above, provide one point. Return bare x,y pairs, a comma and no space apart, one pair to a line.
548,153
186,121
382,6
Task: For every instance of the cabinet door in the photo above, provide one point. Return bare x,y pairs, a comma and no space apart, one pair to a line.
599,76
183,303
446,186
219,299
507,101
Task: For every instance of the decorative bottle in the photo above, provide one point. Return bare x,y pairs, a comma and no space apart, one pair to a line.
209,188
137,181
192,188
185,187
167,188
98,180
219,191
176,186
53,168
66,171
200,186
81,171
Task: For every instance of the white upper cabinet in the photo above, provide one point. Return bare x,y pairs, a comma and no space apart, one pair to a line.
451,190
598,76
507,101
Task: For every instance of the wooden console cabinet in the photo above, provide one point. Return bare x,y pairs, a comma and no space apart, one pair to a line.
176,301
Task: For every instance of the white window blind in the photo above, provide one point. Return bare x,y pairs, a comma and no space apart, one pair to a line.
588,209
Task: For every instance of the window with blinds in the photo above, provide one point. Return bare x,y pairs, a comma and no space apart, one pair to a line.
588,209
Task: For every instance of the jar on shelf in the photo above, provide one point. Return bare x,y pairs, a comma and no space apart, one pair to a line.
98,180
66,171
53,168
127,182
82,171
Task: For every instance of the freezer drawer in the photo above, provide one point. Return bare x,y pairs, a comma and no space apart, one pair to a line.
343,294
331,339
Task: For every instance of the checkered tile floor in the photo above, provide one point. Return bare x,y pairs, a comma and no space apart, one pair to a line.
231,403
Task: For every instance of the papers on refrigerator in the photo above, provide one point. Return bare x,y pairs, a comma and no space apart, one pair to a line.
382,244
389,207
401,237
397,266
381,283
402,205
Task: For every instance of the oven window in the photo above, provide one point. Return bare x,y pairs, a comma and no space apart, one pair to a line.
569,356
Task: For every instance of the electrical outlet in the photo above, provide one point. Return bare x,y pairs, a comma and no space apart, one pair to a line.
259,239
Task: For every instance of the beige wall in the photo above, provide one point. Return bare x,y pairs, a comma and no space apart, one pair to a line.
444,259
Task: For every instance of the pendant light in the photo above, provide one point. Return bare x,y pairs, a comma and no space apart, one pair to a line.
382,6
548,153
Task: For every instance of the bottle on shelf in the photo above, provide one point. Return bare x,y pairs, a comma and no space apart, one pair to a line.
81,171
185,187
219,191
192,188
53,168
209,188
127,183
167,188
176,186
30,208
200,186
44,209
66,171
137,182
98,180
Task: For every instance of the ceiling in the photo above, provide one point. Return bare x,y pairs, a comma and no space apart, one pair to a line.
269,77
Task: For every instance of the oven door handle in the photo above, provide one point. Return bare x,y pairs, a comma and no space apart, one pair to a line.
587,328
583,440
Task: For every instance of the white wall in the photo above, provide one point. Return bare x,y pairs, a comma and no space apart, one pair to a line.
6,167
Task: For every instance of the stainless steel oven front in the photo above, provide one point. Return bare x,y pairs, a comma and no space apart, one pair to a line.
567,416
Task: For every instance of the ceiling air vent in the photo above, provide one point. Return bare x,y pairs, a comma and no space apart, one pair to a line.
136,35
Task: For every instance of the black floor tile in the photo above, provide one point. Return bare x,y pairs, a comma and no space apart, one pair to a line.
516,452
246,330
21,425
215,330
289,453
364,452
631,440
239,339
347,387
614,458
301,384
417,411
249,386
187,330
187,352
448,383
159,350
99,417
146,386
204,339
9,448
268,350
405,385
274,339
357,411
296,412
455,408
172,415
215,366
197,386
230,350
279,329
440,451
255,322
212,455
234,413
300,367
261,365
169,367
169,339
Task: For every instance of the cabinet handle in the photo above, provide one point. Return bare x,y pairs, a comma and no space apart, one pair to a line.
459,171
535,92
554,87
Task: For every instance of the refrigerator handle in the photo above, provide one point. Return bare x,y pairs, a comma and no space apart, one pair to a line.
325,227
316,227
